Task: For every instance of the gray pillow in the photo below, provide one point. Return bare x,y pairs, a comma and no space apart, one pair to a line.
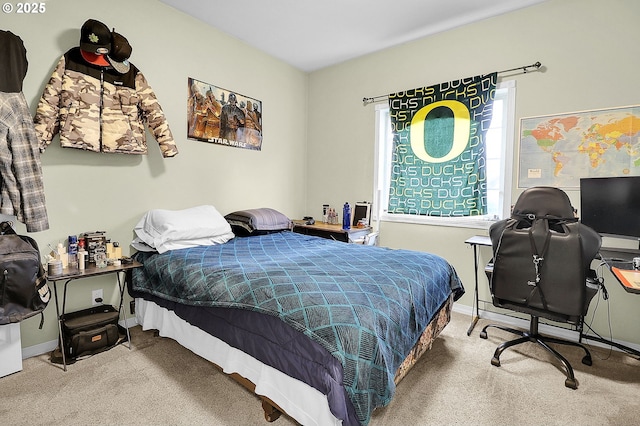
257,221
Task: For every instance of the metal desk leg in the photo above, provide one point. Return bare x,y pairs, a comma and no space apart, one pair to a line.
124,311
475,306
64,359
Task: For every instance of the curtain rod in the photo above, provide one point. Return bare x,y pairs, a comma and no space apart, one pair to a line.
524,69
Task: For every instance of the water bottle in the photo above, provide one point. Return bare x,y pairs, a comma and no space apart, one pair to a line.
346,216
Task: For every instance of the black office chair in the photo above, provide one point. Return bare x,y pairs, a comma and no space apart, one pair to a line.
541,267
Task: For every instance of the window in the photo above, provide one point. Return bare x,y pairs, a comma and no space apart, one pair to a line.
499,157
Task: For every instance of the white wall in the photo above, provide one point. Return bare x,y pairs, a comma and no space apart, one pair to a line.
588,49
90,191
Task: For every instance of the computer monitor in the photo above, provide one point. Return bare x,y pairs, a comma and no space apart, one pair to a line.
611,205
361,211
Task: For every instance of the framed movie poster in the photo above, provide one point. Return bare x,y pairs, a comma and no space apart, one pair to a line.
223,117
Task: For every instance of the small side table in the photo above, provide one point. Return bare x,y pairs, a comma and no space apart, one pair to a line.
69,275
475,241
331,231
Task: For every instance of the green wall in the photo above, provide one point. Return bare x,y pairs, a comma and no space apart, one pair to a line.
318,137
588,49
90,191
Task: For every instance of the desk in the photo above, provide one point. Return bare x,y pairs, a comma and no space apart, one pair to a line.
69,275
620,259
475,241
612,257
331,231
623,259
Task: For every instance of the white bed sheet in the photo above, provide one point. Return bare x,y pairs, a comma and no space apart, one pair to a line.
305,404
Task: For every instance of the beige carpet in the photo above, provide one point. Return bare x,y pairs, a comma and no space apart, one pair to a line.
159,382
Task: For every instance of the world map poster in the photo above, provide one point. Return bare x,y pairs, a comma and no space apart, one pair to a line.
558,150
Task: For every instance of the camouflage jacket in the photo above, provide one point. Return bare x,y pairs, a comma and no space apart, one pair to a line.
97,109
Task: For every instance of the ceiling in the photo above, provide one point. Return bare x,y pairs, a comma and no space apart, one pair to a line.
311,35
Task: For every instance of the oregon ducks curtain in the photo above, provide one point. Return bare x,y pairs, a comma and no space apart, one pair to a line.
438,163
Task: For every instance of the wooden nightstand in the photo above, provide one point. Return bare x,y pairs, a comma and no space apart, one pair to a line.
332,232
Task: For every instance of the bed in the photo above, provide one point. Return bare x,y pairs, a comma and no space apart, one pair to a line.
319,329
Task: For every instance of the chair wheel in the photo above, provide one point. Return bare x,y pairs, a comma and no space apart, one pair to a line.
495,361
571,383
483,334
587,360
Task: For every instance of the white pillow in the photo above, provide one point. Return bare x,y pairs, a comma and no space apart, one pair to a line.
165,230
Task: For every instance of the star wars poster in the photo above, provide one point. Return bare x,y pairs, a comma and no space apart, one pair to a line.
223,117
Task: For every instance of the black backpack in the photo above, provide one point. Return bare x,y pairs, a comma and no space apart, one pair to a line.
24,291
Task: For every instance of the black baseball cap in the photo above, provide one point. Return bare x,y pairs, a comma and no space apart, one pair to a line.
120,53
95,37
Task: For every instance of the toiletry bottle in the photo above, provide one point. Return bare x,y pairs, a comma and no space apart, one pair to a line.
63,256
83,255
72,250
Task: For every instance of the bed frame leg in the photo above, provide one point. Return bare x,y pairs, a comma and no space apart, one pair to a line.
271,413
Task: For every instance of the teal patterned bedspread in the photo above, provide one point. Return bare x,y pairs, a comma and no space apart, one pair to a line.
366,305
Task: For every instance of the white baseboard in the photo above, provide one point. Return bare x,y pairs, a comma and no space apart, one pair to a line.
39,349
559,332
549,330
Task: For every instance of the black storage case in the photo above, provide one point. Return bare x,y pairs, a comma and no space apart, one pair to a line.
90,331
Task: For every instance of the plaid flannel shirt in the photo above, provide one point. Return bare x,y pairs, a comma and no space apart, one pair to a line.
21,183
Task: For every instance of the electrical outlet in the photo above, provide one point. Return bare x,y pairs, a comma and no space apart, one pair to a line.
96,297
